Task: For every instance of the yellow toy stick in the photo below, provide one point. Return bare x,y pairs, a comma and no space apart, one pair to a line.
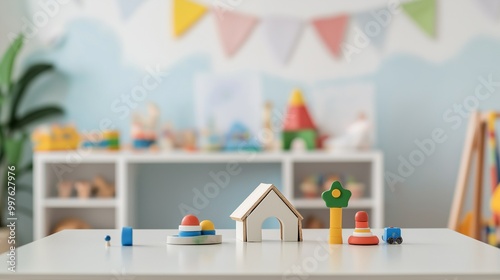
336,198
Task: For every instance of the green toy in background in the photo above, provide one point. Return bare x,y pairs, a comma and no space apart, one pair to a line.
299,128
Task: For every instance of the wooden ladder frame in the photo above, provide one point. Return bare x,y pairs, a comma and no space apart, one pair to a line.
474,148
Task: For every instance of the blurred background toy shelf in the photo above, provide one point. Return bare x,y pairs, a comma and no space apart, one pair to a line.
53,174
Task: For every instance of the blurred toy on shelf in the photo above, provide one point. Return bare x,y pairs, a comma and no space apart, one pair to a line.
64,189
144,127
107,140
83,189
238,138
103,188
270,141
309,187
313,222
298,125
189,140
357,136
167,137
55,137
357,188
209,140
329,181
70,223
99,187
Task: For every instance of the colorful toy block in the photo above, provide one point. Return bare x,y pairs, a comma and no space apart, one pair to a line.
127,236
55,138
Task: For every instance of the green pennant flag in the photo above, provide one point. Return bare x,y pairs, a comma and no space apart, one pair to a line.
423,12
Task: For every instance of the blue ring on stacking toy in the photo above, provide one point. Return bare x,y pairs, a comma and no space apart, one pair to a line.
189,233
208,232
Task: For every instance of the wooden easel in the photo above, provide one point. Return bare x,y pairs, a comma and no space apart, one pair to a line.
474,147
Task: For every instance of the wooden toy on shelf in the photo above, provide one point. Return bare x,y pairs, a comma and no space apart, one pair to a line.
189,140
167,137
362,233
55,138
192,232
83,189
127,236
309,187
264,202
357,188
392,235
270,141
298,124
70,223
107,238
64,188
103,188
336,198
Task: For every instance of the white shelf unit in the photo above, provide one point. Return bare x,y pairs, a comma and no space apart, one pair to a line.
121,166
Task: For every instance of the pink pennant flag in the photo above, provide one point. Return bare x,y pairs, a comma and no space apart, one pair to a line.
331,30
234,29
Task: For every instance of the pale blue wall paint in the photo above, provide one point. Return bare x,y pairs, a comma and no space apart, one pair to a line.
411,96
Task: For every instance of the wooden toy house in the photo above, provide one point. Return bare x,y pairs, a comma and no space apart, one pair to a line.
264,202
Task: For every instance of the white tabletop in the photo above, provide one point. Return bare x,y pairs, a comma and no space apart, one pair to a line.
431,254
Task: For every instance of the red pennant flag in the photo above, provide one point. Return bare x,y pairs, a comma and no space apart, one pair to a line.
331,30
234,28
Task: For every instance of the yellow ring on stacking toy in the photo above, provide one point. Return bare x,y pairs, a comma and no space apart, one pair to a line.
336,193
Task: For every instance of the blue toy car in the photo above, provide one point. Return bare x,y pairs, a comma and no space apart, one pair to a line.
392,235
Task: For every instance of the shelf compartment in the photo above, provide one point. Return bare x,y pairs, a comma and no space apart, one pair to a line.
80,203
319,203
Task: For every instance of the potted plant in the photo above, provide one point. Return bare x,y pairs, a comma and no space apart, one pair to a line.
14,127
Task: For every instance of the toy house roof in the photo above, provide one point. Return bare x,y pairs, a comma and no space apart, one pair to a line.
249,204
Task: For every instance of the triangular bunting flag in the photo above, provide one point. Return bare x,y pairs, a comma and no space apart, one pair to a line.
331,30
370,27
281,34
128,7
423,12
234,28
185,14
490,7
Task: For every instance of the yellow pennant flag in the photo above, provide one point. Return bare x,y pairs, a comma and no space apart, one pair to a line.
185,14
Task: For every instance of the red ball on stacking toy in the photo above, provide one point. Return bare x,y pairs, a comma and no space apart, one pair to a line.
190,220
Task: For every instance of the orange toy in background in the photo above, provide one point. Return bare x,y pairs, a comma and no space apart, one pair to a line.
70,223
55,138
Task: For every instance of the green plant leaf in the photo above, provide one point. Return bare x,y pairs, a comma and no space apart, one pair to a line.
19,88
14,150
7,63
35,115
